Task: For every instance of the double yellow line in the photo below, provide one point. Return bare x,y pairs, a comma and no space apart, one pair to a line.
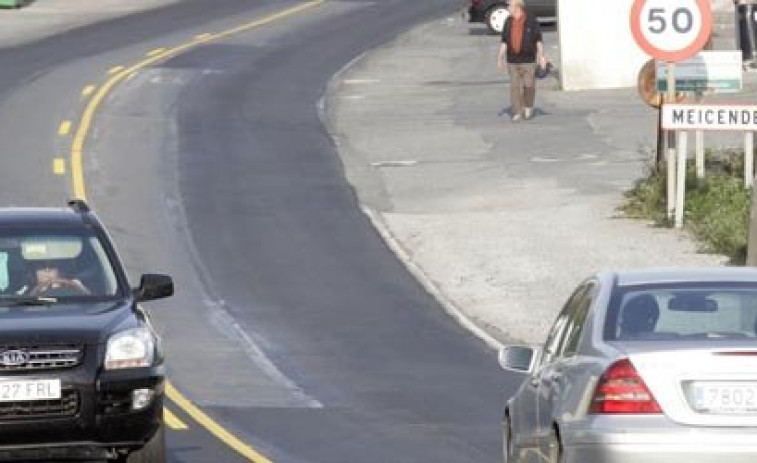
117,75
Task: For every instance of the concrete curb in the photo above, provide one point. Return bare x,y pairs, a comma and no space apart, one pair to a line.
428,284
378,222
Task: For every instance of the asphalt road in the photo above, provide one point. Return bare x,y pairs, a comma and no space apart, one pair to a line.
294,326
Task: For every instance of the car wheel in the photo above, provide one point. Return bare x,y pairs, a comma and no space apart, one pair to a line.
555,448
508,449
153,452
496,17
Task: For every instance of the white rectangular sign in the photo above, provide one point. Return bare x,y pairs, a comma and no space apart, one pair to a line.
733,117
708,71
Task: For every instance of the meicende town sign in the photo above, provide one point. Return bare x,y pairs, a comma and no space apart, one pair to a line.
723,117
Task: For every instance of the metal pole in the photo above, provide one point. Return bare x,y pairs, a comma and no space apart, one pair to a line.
748,159
700,153
699,145
683,139
671,144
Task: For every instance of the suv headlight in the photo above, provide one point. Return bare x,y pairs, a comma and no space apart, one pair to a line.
134,348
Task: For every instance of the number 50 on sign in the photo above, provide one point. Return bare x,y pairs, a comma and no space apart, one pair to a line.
671,30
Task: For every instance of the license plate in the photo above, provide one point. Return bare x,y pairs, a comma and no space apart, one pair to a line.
22,391
725,398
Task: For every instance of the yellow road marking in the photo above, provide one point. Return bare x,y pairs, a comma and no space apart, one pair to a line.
214,428
115,70
157,51
88,90
59,166
64,128
172,421
77,177
77,148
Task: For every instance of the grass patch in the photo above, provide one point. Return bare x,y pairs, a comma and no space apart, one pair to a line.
717,208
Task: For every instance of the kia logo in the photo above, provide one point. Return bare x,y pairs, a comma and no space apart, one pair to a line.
14,358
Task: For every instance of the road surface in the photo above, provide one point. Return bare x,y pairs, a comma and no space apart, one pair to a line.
295,335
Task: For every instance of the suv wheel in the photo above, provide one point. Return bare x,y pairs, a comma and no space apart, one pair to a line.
153,452
496,17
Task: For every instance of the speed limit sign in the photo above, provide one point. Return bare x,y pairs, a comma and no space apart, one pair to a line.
671,30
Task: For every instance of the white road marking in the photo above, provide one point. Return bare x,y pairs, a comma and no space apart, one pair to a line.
361,81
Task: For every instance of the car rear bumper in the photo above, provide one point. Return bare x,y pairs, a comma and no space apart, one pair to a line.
694,446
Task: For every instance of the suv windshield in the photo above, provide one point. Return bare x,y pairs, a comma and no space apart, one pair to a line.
54,266
683,312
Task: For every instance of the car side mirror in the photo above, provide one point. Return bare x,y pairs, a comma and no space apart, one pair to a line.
152,287
520,359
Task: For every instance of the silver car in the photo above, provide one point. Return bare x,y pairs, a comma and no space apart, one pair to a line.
654,366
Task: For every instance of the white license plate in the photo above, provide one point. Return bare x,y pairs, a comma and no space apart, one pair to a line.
733,398
20,391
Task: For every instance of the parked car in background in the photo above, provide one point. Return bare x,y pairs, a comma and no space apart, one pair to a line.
642,367
494,13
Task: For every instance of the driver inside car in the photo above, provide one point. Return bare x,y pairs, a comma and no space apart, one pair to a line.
50,283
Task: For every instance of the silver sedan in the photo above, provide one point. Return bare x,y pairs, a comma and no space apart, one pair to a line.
654,366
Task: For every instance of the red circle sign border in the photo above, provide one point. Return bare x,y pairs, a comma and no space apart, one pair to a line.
672,56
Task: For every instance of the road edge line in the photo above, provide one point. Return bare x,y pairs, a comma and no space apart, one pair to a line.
214,428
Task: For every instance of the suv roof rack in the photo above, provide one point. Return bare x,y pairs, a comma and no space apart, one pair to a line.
79,205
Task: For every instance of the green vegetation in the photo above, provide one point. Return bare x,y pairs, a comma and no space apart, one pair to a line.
717,208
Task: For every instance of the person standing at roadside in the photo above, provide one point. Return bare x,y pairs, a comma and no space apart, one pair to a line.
521,49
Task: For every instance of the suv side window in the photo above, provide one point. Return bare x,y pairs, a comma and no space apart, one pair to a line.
577,320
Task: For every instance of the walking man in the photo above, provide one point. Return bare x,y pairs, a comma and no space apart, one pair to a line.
522,47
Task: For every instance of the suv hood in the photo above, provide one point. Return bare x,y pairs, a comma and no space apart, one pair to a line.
88,324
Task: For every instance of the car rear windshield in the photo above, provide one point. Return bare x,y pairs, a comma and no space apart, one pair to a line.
683,312
55,266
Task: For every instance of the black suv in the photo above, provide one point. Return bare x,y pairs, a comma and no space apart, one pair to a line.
494,12
81,368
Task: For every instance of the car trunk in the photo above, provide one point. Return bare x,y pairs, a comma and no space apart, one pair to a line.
716,386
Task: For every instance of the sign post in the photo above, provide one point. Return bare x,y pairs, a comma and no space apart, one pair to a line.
726,117
672,31
671,98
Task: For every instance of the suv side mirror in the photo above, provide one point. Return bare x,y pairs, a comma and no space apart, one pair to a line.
521,359
152,287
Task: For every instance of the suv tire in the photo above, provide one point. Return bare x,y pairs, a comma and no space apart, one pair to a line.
153,452
495,18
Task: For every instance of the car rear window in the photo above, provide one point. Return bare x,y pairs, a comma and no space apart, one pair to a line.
682,312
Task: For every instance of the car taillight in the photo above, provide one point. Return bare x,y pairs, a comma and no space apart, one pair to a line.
622,391
476,2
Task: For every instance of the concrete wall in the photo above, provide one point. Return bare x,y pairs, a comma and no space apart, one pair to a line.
598,50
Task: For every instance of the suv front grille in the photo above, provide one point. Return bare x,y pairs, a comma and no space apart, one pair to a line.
67,405
45,357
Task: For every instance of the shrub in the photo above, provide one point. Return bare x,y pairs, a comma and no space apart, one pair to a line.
717,208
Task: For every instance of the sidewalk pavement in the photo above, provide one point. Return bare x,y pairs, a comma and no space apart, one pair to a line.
45,18
500,219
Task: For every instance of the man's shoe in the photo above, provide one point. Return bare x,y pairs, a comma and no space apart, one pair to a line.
529,112
517,118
